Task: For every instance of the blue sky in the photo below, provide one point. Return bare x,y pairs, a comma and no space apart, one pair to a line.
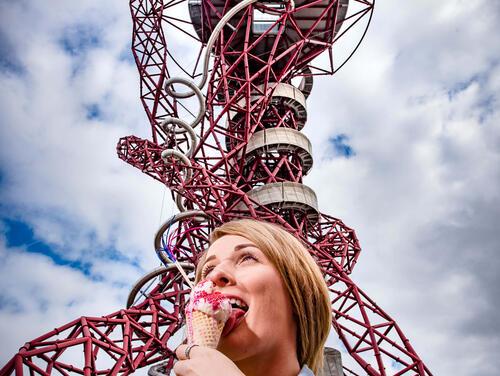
340,146
19,234
406,142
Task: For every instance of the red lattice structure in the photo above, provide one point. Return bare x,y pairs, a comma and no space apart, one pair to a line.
226,140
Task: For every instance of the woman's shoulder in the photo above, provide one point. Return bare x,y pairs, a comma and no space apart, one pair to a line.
305,371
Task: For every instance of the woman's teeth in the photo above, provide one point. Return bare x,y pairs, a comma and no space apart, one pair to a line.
236,303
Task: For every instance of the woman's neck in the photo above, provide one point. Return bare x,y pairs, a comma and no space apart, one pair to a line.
275,364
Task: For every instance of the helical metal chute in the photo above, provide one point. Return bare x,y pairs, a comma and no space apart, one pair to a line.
183,126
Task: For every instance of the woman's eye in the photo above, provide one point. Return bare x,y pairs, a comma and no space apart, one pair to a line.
206,270
248,257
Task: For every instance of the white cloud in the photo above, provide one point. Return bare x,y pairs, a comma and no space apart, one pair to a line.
38,295
422,189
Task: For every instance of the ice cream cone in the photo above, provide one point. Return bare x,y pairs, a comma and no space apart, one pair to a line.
206,330
206,315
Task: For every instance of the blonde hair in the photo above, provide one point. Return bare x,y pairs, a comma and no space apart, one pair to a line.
302,278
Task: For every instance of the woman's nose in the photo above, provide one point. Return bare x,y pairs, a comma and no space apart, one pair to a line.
221,276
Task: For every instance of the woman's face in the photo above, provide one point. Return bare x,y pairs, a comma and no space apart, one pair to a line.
263,324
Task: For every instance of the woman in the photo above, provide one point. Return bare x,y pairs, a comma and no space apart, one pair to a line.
286,308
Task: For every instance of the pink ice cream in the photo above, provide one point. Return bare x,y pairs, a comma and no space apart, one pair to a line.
206,314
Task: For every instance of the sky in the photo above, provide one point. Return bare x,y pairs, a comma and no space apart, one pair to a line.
406,141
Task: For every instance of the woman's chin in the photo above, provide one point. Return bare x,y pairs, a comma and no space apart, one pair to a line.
236,342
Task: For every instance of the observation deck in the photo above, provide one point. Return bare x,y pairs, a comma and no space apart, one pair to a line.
312,23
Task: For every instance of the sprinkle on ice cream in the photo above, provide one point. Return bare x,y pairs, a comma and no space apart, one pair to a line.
205,299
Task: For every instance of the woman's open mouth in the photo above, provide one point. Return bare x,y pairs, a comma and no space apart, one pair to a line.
238,311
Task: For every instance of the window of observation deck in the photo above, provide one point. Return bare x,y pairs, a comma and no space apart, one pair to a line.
264,19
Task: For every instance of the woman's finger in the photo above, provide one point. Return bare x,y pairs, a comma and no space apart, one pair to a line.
180,368
184,352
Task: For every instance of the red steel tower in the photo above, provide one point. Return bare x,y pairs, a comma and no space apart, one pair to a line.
227,141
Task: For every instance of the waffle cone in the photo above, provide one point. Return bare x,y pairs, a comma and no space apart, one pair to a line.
206,330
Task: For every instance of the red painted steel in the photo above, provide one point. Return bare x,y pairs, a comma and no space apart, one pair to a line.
207,167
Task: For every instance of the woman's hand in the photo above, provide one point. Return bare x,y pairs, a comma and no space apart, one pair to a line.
204,361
